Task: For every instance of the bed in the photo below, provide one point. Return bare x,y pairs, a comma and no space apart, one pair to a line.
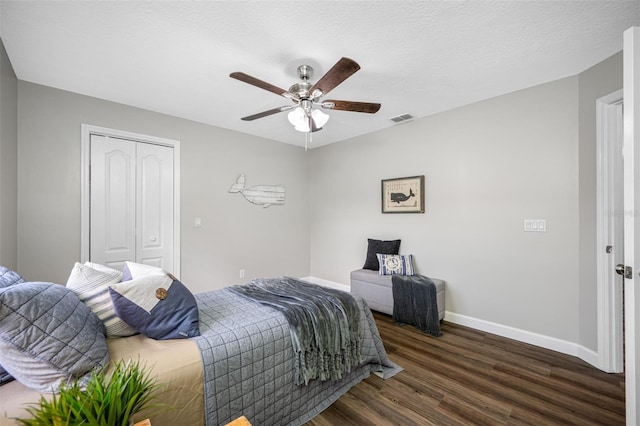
241,364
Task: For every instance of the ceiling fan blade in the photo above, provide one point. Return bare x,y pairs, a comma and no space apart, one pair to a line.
259,83
367,107
267,113
342,70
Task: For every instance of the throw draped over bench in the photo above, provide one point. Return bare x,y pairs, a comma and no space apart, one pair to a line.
415,302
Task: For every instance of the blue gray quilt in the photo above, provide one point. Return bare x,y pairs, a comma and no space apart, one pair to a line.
248,361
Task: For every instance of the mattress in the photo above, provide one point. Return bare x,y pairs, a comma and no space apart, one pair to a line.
176,363
249,363
242,364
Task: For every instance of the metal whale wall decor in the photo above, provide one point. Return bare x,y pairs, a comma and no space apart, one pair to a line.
262,195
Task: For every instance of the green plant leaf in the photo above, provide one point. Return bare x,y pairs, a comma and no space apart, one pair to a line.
105,401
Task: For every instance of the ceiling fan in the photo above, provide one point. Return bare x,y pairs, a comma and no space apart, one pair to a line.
306,97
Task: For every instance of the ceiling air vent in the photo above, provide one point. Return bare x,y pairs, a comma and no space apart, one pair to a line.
402,118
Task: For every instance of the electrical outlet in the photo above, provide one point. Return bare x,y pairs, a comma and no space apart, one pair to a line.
241,273
197,222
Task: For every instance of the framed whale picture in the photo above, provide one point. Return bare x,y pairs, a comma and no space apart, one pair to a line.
403,195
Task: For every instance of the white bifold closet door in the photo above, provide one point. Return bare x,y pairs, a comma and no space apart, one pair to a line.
131,213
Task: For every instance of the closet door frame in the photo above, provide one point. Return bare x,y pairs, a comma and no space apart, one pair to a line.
85,185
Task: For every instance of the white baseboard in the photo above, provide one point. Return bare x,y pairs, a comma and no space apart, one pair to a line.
327,283
536,339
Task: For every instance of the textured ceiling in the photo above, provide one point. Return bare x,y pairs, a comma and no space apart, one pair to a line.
418,57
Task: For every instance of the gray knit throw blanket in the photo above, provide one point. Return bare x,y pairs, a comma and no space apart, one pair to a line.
324,325
415,302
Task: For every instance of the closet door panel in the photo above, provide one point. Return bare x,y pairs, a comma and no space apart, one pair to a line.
154,183
113,201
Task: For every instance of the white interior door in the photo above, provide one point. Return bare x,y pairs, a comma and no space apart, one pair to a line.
132,195
610,227
154,206
113,201
631,153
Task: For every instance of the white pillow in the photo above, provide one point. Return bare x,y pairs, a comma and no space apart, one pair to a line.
134,270
103,268
91,283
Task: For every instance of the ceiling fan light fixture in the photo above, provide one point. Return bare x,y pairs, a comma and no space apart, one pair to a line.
303,126
296,116
319,117
300,119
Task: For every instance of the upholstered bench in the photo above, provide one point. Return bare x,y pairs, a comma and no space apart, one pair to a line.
377,291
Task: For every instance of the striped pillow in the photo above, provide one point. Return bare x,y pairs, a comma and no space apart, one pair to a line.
91,283
395,264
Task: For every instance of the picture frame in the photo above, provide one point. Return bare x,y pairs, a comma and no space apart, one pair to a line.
403,195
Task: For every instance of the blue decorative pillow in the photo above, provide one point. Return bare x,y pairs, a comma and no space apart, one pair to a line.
9,277
47,335
391,264
158,306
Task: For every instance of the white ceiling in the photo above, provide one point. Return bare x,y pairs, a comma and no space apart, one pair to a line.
418,57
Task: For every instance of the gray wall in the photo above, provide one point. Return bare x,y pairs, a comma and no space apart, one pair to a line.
234,234
600,80
488,166
8,162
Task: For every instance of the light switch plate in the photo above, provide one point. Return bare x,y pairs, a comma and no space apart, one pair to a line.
535,225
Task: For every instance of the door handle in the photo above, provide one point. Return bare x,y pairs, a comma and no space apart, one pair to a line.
625,271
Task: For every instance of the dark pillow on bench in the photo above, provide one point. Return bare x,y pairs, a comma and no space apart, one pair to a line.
382,247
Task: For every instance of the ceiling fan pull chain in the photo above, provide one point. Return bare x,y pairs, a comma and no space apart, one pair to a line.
308,135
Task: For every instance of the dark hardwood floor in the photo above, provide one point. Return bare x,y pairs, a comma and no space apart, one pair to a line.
469,377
